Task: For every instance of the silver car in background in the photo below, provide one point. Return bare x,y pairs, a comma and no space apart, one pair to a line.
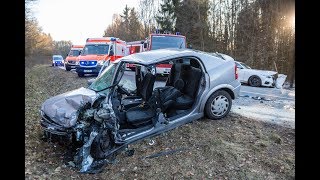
114,110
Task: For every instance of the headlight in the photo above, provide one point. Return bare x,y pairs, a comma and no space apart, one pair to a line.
266,75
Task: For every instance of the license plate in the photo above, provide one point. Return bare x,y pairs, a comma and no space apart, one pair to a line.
87,70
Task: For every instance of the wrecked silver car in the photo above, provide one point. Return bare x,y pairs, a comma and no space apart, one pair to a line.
119,108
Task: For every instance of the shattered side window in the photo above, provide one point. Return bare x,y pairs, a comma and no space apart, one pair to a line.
105,79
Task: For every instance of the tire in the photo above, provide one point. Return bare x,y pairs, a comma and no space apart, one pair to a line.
254,81
218,105
68,68
80,74
52,64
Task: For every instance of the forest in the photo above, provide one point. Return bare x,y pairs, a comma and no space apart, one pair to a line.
260,33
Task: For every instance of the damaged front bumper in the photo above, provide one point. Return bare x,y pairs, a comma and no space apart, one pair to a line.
94,134
53,127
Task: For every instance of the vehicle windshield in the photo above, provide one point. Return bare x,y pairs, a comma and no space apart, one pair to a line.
160,42
104,80
245,66
101,49
74,53
57,58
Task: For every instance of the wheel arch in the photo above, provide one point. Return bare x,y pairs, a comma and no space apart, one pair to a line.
226,87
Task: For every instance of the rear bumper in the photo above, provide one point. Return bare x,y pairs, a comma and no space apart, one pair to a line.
236,89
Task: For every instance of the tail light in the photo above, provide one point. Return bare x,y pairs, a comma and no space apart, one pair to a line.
235,71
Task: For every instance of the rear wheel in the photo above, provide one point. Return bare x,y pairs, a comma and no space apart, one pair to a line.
218,105
254,81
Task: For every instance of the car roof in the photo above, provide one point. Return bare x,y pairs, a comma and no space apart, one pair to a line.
154,56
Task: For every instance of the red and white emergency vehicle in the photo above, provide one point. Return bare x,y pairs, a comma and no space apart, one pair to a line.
70,61
158,41
98,51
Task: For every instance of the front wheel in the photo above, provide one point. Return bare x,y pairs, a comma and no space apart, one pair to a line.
68,68
80,74
254,81
218,105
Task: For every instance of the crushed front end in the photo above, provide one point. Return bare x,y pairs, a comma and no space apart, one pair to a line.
90,126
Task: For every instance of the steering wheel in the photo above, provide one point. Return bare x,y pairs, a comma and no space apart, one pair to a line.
123,90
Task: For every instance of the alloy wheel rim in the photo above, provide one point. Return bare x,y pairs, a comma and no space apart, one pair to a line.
219,105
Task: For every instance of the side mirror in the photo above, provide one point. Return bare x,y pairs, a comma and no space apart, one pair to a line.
145,45
111,53
190,46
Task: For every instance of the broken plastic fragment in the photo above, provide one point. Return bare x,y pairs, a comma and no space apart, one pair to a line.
87,159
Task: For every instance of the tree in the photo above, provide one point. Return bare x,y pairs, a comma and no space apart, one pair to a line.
192,21
147,13
135,27
166,17
62,47
36,42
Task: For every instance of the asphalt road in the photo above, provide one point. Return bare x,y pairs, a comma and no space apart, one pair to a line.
267,92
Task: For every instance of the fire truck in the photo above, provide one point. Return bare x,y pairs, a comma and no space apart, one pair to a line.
158,41
98,51
70,61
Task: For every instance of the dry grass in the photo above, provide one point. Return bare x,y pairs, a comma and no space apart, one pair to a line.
233,148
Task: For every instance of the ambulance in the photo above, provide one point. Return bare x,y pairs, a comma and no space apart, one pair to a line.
135,47
98,51
70,61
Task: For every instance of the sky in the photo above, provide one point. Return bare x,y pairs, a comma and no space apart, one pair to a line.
77,20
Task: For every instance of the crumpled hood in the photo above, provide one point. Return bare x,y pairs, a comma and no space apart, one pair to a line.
62,108
261,72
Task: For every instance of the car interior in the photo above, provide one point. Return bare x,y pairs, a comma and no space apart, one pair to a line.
173,95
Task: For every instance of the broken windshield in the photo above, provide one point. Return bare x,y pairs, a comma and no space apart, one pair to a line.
104,80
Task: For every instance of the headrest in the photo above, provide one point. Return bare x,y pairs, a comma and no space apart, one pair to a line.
186,66
179,84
